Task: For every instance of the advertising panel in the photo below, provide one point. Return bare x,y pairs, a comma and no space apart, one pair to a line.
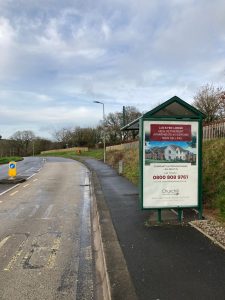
170,166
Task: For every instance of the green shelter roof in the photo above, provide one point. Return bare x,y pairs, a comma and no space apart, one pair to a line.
172,108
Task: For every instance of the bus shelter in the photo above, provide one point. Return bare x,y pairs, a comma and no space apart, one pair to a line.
170,157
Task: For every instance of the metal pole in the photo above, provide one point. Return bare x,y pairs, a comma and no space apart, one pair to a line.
1,149
124,116
103,105
159,215
104,149
180,215
33,148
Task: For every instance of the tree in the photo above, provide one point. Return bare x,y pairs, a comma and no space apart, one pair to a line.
90,137
63,136
131,114
41,144
115,121
210,101
22,142
84,137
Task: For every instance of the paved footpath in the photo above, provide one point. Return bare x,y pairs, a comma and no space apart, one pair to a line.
164,262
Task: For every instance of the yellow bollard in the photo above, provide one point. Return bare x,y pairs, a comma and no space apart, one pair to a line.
12,169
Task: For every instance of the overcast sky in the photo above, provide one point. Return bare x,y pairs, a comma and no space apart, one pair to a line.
58,56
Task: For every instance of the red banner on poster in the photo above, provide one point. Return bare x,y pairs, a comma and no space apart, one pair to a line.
170,132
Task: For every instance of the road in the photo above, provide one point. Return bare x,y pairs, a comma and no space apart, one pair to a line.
45,233
25,169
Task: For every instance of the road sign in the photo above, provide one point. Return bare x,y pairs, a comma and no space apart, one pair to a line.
12,169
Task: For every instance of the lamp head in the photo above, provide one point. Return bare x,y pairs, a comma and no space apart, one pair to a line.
97,102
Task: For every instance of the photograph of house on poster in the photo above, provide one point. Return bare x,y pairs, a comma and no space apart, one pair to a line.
170,143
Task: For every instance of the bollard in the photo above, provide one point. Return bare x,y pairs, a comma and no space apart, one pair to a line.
12,169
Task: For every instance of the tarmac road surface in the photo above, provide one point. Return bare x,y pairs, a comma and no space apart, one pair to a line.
26,168
45,234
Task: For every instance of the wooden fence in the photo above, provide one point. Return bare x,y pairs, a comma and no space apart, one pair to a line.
214,131
131,145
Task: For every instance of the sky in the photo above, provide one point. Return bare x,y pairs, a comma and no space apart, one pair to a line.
57,57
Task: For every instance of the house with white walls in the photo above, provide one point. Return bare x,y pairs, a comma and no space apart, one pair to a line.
173,152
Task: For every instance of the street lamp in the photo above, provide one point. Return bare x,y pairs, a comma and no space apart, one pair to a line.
103,106
0,139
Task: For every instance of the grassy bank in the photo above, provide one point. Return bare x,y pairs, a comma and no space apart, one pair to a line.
95,153
213,170
5,160
130,159
214,175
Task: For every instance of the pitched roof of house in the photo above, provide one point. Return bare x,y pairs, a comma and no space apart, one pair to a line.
158,148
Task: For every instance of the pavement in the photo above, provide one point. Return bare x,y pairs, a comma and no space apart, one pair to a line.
145,261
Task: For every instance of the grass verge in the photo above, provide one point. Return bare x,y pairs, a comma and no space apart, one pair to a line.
6,160
214,175
94,153
130,158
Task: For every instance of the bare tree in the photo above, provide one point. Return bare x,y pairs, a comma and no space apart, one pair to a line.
22,141
209,100
115,121
85,137
131,114
63,136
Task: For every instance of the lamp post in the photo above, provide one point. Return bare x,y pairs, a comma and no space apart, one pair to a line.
1,151
103,106
33,147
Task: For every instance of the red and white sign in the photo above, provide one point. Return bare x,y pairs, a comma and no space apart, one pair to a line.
170,132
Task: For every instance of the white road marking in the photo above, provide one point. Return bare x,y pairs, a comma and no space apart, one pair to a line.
31,176
29,169
9,189
14,193
35,180
34,210
18,210
48,212
2,243
54,249
0,201
15,257
26,185
86,180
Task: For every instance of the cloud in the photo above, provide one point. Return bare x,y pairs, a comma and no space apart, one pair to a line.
58,56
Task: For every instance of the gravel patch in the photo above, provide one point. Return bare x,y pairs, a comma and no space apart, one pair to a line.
213,229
